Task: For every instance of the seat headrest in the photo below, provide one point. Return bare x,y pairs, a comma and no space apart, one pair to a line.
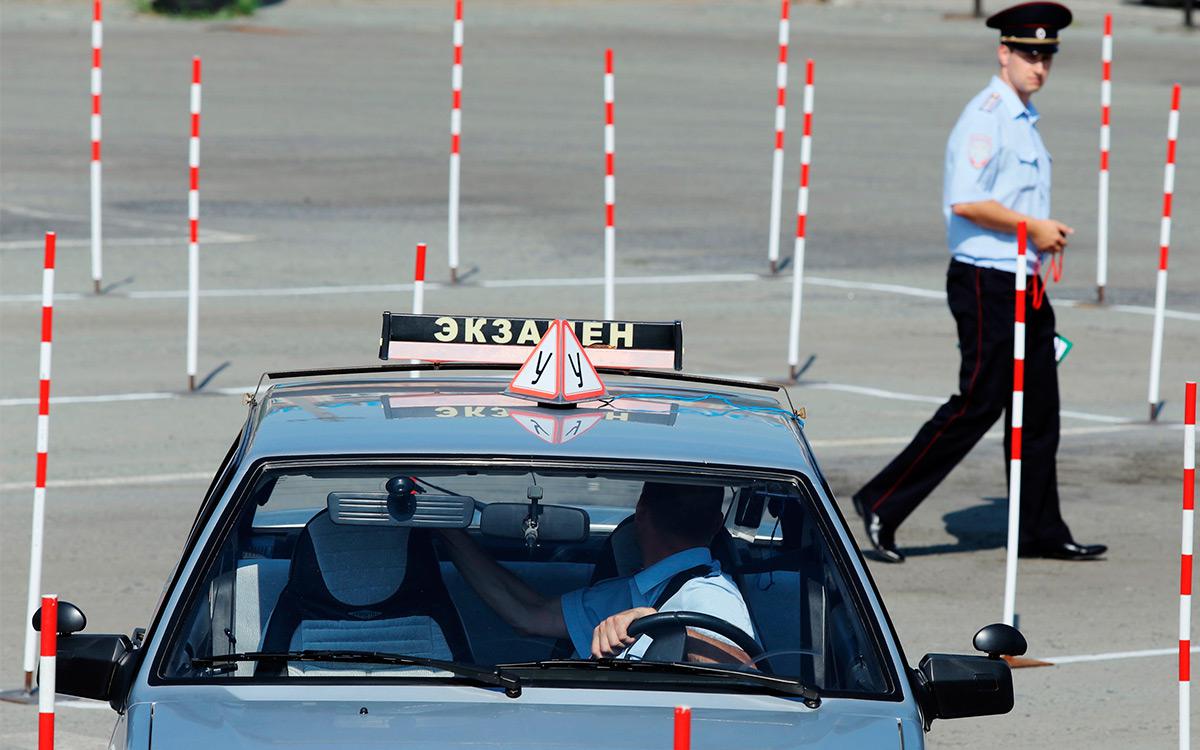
359,564
626,552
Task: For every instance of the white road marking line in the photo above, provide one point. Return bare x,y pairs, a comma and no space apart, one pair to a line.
867,286
713,278
129,481
897,396
1113,656
208,238
115,397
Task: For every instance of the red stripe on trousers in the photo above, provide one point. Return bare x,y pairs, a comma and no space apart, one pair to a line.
966,396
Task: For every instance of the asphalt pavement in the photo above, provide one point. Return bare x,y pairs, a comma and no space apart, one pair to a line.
324,160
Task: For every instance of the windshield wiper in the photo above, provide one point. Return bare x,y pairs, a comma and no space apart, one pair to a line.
782,686
497,676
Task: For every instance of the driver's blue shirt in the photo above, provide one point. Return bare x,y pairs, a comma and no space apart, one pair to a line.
712,594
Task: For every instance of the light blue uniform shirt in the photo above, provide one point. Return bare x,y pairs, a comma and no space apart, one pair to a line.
995,153
714,594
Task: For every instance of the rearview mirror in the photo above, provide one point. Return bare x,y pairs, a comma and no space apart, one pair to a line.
555,523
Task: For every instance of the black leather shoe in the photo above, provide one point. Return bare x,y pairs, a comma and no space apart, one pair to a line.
881,536
1065,551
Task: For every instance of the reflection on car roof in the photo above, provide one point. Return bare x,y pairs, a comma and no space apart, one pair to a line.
463,415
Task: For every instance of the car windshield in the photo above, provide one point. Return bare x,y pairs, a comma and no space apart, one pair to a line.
438,573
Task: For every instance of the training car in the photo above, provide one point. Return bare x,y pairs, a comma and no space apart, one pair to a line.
332,590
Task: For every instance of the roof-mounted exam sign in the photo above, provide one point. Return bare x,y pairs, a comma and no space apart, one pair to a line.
510,341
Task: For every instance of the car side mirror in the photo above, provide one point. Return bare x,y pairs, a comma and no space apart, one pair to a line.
998,640
89,665
70,619
953,686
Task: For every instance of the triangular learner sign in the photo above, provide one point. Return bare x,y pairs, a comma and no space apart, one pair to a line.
539,376
558,369
580,379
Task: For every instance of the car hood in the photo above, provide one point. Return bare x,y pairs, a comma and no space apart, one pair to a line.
521,724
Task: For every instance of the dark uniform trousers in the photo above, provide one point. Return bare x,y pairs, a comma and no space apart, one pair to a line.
982,301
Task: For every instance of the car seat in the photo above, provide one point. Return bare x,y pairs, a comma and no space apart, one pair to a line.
366,588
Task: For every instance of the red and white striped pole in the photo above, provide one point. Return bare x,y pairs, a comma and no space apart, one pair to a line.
610,189
418,305
193,308
1185,573
1164,246
683,728
1102,213
47,671
97,46
1017,413
801,221
780,120
43,445
456,77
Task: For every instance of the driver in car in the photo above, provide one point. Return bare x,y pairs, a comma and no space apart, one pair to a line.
675,523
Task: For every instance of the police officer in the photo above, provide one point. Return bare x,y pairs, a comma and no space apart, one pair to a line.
997,174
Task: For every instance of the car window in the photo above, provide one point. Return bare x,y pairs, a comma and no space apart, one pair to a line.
321,565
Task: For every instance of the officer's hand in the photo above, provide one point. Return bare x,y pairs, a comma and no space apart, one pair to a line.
611,636
1048,235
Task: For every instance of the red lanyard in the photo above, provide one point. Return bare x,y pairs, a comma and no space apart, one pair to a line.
1039,284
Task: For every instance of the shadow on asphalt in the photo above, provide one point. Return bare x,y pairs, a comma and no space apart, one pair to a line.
980,527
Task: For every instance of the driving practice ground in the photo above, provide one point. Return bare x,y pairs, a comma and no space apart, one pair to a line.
324,161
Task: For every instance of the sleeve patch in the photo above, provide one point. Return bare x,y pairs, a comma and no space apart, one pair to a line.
979,150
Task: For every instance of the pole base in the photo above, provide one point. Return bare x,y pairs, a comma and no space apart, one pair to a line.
96,286
453,275
27,695
191,382
774,267
1156,409
1021,662
1099,295
796,371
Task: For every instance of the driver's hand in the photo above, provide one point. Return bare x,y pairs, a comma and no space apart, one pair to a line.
611,636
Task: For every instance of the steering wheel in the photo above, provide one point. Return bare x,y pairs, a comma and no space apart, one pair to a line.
669,630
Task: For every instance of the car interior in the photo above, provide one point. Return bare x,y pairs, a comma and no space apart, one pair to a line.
352,559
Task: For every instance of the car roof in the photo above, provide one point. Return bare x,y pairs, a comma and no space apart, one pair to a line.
388,413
